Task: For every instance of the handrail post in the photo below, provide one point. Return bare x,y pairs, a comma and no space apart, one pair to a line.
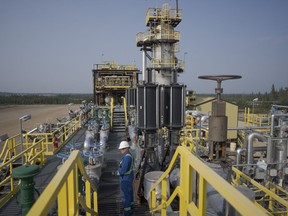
164,197
125,110
111,112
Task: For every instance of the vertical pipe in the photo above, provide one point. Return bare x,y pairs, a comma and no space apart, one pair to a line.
143,64
177,8
251,137
21,140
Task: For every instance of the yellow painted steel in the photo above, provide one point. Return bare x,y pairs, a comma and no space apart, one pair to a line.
111,112
189,136
149,36
37,146
125,110
260,120
63,188
114,81
64,133
112,65
166,14
190,165
32,155
268,190
114,87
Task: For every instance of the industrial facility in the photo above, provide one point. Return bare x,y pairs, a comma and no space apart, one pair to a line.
192,155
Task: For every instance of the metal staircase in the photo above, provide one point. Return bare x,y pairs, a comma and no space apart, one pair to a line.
119,121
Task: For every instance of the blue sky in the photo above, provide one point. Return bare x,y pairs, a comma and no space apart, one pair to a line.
50,46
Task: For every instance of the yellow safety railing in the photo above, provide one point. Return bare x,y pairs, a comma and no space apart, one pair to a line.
63,134
252,119
31,155
163,62
112,65
149,36
277,205
64,190
111,112
34,150
114,82
125,110
189,165
164,14
189,137
10,148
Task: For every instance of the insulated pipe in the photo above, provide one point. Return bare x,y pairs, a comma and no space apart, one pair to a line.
270,150
238,155
174,76
272,121
143,64
251,137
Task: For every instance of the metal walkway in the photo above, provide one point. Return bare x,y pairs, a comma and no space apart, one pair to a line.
41,180
109,199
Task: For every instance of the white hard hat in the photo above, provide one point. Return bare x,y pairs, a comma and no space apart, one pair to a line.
123,144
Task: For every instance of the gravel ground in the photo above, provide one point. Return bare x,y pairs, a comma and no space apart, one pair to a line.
9,116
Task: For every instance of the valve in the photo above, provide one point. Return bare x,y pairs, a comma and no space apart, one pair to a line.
219,79
218,120
25,174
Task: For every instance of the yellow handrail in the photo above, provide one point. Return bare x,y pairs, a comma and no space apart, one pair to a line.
64,189
111,112
33,154
268,191
37,146
125,110
188,165
63,133
261,120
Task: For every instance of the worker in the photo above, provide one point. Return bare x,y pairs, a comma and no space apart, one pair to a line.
126,174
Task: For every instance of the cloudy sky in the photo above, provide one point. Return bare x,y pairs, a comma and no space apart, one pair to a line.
50,46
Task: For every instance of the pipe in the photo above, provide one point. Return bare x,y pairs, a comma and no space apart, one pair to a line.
177,10
238,156
272,121
143,65
248,128
271,150
250,145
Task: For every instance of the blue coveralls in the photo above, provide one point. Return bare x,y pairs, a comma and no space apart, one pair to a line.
126,183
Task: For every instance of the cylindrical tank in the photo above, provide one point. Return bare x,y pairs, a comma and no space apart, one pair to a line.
89,140
26,173
218,128
149,180
148,106
281,154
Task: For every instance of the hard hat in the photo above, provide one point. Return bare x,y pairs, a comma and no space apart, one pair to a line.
123,144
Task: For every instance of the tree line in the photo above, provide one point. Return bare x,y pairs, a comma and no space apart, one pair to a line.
28,99
262,102
261,105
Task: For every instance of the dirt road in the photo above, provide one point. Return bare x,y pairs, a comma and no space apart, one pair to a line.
9,116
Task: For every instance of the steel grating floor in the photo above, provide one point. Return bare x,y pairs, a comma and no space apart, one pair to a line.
109,201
